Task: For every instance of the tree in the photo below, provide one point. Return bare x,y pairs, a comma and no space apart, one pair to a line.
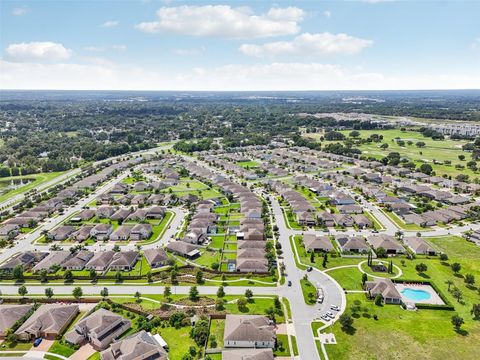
104,293
77,292
93,275
137,296
220,292
248,294
173,276
364,278
381,253
199,332
449,284
213,342
44,275
242,304
420,144
324,261
456,267
18,272
421,268
193,294
346,321
167,292
426,168
378,300
49,293
149,277
312,257
443,257
22,291
354,134
199,277
457,322
469,279
118,276
10,336
461,157
457,294
475,311
68,275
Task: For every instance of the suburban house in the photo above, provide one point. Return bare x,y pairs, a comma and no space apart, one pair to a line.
141,345
156,212
419,246
156,257
101,231
195,237
183,249
121,214
61,233
26,259
10,314
385,288
100,329
9,231
343,220
78,261
355,244
104,212
252,265
122,233
124,261
350,209
83,215
82,234
386,242
248,354
326,218
48,321
248,331
141,232
55,258
316,243
362,221
100,261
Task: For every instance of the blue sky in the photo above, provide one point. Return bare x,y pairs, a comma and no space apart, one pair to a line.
239,45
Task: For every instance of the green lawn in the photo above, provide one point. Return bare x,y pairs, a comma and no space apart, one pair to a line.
434,149
309,292
39,179
217,327
348,278
60,349
178,340
248,164
285,349
400,334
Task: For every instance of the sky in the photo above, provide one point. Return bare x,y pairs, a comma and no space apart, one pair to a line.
239,45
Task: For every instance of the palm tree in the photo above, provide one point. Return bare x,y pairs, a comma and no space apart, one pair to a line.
449,283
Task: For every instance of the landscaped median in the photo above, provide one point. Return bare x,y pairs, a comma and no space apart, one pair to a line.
309,291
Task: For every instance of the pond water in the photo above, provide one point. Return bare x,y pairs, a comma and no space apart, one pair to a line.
8,185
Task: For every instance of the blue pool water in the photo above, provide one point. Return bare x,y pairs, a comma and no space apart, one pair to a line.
416,295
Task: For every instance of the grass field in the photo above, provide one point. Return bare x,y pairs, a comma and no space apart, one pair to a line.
309,292
425,334
248,164
439,150
39,179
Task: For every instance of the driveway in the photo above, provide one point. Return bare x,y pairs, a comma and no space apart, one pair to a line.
84,352
44,345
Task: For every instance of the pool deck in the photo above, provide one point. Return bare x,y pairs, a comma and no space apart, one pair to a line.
434,298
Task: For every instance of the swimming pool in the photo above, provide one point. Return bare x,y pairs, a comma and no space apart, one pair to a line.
416,295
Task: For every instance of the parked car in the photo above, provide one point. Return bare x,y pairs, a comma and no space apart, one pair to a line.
309,269
330,314
37,342
325,317
289,283
335,307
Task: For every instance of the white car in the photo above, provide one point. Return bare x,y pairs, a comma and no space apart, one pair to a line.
335,308
325,317
330,314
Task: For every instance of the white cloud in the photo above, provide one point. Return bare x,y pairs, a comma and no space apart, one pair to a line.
224,21
119,47
101,74
39,51
189,52
309,44
475,45
110,23
327,14
18,11
94,48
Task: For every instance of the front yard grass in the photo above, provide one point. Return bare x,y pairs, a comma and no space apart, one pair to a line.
309,292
